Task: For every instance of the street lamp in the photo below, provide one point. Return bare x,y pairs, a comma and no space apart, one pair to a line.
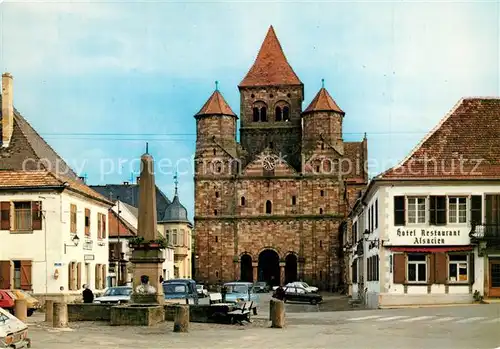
76,241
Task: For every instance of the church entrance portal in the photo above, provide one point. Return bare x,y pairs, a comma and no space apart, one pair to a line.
246,272
269,267
290,268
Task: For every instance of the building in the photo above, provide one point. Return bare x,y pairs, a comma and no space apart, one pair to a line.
427,231
52,225
123,222
269,207
178,229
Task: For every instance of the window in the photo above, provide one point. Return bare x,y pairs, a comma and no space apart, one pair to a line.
437,210
242,201
399,210
476,214
294,200
369,218
256,114
263,114
416,210
322,193
277,114
320,211
417,268
300,290
322,146
355,271
180,238
215,152
87,222
215,212
216,194
457,209
17,274
271,145
457,268
174,237
73,216
286,113
355,232
216,239
22,215
376,214
269,207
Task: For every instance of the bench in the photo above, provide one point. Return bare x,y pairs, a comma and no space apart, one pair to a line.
240,314
215,298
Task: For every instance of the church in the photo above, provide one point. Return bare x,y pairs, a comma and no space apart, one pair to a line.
269,207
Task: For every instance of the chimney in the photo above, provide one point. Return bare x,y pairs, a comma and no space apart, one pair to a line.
7,109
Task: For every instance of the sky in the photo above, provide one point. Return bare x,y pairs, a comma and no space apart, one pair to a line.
99,79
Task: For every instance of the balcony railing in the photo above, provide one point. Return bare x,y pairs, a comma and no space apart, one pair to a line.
485,232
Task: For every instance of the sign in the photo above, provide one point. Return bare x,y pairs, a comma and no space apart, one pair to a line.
58,264
87,245
429,236
88,257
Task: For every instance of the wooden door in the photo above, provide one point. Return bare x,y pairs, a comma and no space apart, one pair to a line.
494,277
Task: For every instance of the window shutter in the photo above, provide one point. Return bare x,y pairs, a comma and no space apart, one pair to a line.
73,218
476,212
399,268
437,210
440,269
70,276
432,210
5,276
36,215
87,221
79,275
472,275
99,226
104,233
97,276
377,261
103,276
26,275
5,215
431,268
399,210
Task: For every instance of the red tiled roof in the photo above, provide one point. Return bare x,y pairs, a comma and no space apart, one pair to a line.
271,66
216,105
464,145
323,102
16,179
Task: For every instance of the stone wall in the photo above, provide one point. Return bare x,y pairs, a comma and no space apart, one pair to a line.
89,312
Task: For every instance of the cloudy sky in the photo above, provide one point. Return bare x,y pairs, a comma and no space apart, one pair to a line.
98,79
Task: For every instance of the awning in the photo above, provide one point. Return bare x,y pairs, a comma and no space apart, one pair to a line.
430,249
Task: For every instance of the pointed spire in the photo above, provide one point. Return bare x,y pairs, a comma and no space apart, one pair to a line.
271,66
176,182
216,105
323,102
147,148
216,85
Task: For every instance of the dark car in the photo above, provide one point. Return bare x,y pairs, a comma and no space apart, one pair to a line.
300,294
192,292
261,287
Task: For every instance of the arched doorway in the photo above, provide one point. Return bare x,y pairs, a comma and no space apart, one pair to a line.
246,272
290,268
269,267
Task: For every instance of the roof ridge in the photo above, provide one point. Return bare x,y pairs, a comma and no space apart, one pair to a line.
216,104
323,101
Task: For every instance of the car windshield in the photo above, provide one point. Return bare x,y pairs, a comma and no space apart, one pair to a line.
237,288
199,287
174,288
304,284
260,284
118,292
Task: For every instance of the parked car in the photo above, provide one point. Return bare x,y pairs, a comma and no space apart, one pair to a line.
13,332
202,291
115,295
261,287
178,293
32,303
301,294
240,292
190,284
299,284
7,299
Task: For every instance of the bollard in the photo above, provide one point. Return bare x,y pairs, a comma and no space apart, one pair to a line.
271,306
60,315
49,310
21,309
181,318
277,313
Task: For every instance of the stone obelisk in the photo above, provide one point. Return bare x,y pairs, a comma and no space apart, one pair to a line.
147,258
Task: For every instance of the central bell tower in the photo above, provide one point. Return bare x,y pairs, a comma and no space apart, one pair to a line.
271,96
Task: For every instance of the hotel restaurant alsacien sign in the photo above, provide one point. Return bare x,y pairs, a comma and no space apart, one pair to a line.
426,236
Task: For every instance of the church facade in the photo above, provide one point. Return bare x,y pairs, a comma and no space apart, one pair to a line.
268,208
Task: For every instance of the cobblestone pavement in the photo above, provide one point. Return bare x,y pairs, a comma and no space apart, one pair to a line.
446,327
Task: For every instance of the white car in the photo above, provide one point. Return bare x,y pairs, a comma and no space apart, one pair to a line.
202,291
300,284
115,295
13,332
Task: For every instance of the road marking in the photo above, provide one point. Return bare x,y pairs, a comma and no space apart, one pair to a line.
392,318
418,318
471,319
443,319
365,318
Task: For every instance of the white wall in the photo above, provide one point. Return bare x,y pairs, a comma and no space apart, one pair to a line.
45,248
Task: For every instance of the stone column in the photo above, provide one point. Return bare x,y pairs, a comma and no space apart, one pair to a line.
282,273
60,316
181,318
21,309
277,311
49,310
255,268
